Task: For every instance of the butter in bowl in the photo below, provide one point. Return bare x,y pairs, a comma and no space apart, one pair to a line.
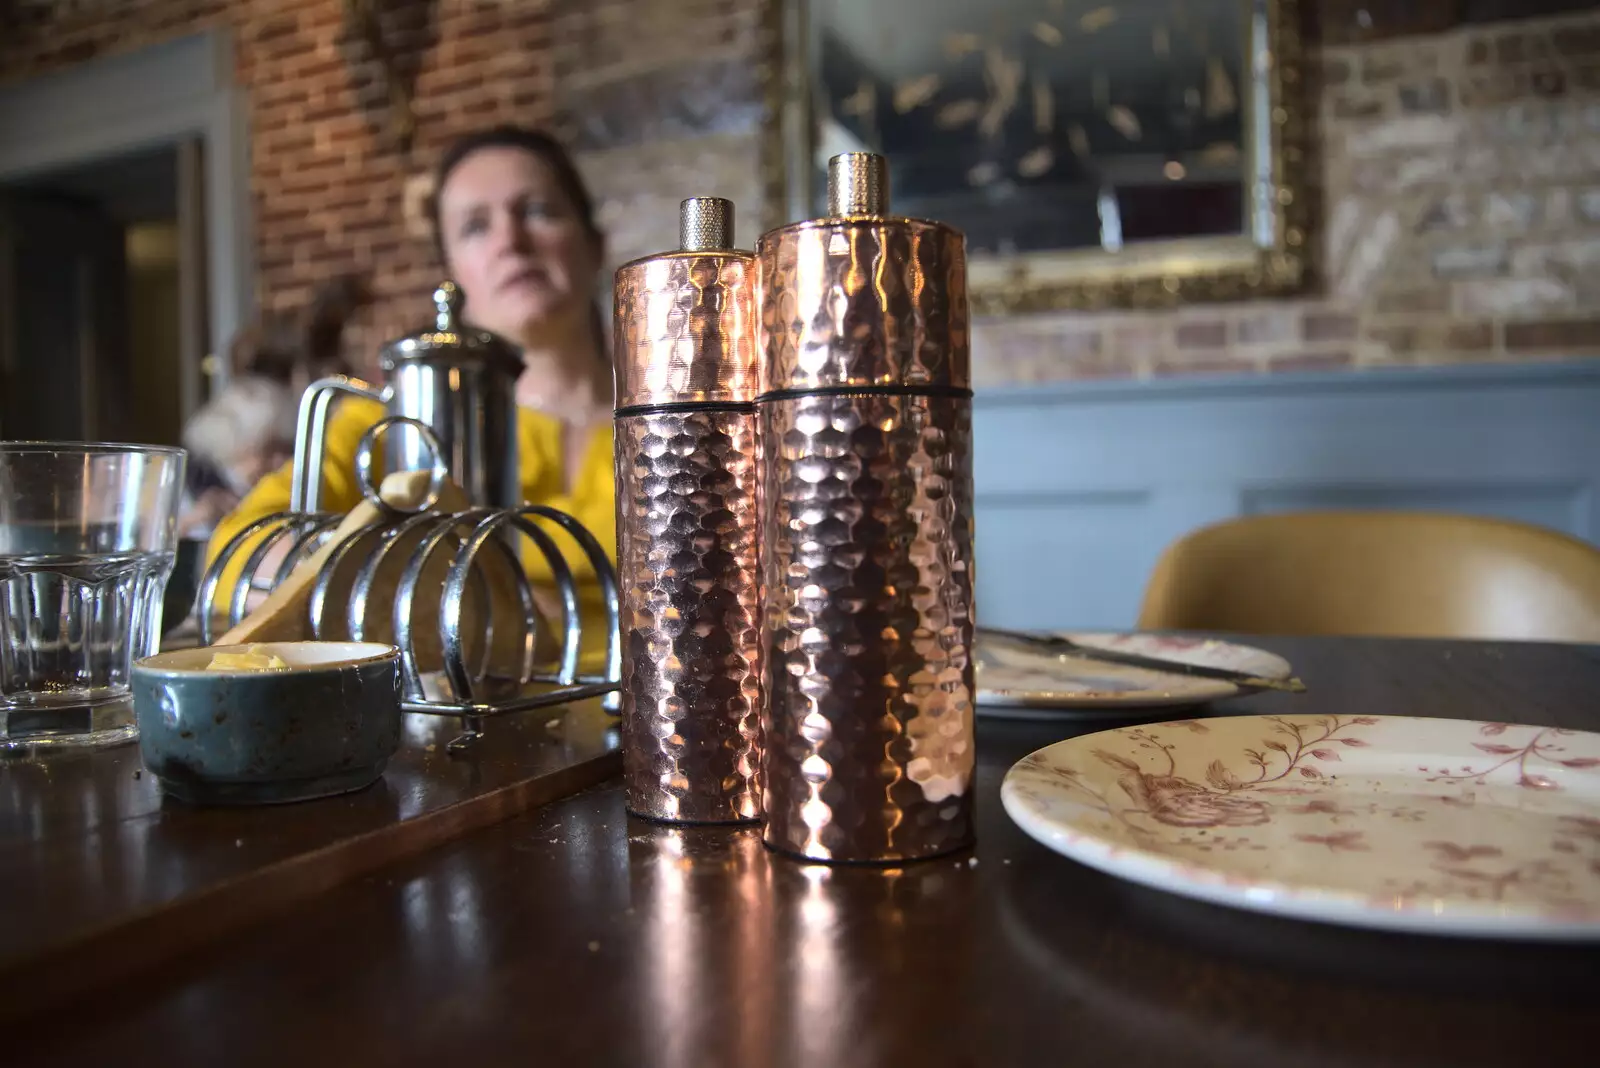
268,723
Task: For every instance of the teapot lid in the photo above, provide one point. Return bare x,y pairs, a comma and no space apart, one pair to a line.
448,340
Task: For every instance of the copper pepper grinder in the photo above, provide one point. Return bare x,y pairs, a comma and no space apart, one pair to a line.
686,456
866,486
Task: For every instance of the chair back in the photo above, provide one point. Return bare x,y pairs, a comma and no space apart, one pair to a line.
1387,574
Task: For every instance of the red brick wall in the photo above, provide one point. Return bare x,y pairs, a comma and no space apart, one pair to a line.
329,182
1460,169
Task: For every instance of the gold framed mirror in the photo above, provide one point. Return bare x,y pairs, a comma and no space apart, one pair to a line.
1138,154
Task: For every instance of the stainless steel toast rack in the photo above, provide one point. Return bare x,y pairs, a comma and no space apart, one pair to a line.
462,681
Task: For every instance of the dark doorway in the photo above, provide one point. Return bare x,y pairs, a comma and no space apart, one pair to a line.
92,304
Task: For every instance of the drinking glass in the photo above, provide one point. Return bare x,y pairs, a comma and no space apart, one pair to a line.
88,533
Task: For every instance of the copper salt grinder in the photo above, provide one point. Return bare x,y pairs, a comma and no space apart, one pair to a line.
686,525
866,536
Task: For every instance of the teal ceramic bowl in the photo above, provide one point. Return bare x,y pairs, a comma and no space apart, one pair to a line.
325,724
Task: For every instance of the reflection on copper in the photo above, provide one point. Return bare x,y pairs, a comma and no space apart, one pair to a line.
685,330
868,593
866,498
863,302
686,459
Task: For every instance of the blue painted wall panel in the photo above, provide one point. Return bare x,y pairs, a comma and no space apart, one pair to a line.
1079,487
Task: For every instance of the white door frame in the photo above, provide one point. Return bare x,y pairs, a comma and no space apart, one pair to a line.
162,94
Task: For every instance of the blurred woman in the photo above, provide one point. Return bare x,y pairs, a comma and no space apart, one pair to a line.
515,229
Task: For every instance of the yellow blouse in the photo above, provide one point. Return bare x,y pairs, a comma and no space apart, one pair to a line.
591,500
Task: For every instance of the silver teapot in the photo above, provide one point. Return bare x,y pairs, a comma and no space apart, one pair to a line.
451,397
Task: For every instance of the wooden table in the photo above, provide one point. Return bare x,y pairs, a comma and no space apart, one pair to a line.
101,877
574,934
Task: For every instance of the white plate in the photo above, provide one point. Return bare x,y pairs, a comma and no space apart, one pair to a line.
1439,826
1013,677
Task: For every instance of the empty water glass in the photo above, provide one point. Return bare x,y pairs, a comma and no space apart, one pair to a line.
88,533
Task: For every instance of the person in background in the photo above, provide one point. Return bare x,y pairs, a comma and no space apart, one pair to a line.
247,430
514,226
241,434
313,345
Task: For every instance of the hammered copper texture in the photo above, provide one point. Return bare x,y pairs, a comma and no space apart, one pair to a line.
691,643
685,329
863,302
867,539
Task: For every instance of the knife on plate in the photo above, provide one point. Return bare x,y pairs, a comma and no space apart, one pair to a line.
1054,643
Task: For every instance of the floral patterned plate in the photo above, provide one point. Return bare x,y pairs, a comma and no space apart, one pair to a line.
1024,683
1431,825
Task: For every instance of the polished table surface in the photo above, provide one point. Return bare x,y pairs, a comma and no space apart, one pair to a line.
575,934
100,875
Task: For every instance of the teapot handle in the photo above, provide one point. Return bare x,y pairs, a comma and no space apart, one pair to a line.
310,441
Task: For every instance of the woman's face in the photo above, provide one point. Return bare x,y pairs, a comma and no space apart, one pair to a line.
514,244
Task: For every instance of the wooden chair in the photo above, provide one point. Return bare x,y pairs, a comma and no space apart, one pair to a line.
1389,574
